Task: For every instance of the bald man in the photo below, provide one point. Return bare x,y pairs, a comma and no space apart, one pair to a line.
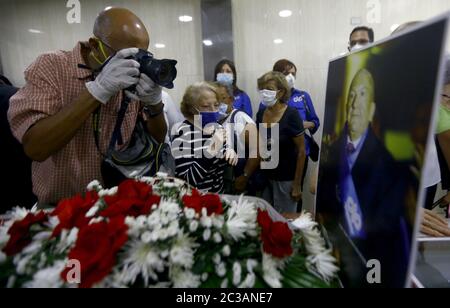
361,195
53,114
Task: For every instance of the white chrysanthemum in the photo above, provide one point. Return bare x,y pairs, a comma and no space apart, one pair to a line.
206,234
325,265
92,211
164,254
173,228
33,248
190,213
48,277
314,242
67,240
304,222
249,281
185,279
170,185
162,175
42,236
206,221
251,264
96,220
182,252
21,262
217,237
169,207
94,185
272,275
221,270
134,229
193,226
141,259
241,219
226,250
224,284
164,219
216,259
153,219
163,234
218,221
2,257
237,273
146,237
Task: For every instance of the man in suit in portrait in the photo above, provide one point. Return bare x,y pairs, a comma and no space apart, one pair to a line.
361,195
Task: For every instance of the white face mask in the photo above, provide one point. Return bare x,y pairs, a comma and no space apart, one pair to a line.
291,80
268,97
225,78
357,47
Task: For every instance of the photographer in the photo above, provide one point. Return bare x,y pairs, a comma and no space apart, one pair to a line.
67,93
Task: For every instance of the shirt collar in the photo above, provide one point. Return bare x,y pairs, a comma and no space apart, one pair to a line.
356,143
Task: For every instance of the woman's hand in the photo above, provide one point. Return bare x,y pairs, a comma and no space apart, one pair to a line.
308,125
217,142
231,157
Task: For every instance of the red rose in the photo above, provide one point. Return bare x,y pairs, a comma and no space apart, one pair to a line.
20,235
72,212
276,236
133,198
197,202
96,249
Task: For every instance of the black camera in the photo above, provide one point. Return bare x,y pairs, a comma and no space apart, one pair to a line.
162,72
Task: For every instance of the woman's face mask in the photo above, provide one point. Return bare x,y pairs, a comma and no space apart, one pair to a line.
291,80
209,117
223,110
225,78
268,97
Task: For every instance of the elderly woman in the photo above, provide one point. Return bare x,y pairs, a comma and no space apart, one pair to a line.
284,188
243,136
199,143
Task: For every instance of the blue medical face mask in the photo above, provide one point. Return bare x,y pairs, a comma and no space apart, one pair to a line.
225,78
223,108
209,117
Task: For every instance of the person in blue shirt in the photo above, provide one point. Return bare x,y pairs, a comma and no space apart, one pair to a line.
225,73
302,102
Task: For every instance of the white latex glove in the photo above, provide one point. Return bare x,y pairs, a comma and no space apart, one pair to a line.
217,142
120,73
148,92
231,157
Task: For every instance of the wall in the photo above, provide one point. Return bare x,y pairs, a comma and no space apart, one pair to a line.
19,47
316,32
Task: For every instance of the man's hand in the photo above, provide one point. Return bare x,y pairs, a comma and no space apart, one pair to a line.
148,92
296,193
446,200
240,185
120,73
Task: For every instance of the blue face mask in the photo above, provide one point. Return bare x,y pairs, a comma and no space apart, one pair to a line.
209,117
223,108
225,78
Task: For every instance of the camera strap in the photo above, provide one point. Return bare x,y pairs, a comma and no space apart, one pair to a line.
116,136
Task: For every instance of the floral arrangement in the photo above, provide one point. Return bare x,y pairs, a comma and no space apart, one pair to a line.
158,232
